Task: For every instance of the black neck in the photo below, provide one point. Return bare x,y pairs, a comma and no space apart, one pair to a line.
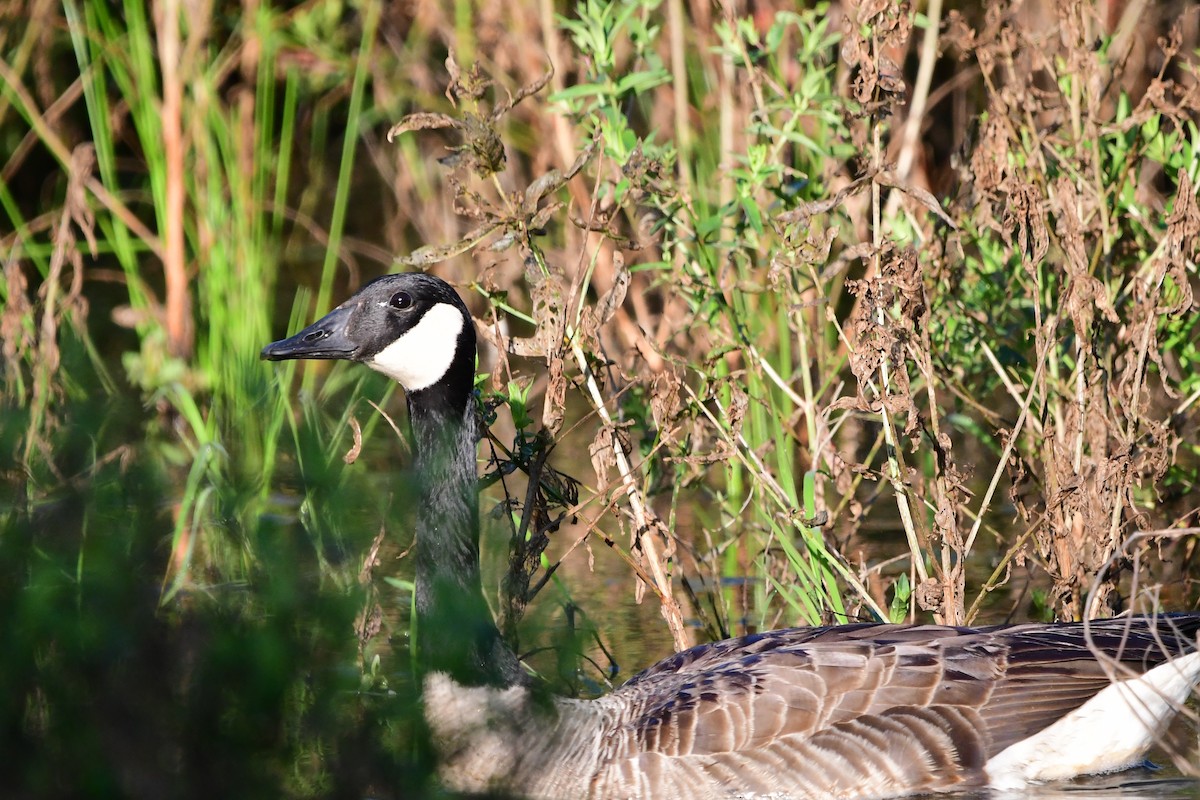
455,629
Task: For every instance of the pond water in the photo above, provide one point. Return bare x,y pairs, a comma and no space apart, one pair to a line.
1135,784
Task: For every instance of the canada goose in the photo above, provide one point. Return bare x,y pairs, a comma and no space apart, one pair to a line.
854,711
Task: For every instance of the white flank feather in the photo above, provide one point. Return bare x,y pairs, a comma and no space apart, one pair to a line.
1111,731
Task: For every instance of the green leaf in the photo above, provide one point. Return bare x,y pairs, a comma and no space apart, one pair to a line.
901,596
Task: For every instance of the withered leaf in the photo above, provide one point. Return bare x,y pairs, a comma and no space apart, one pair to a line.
423,121
603,457
356,448
556,396
431,254
615,295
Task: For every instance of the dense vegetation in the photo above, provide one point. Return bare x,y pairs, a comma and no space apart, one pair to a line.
792,316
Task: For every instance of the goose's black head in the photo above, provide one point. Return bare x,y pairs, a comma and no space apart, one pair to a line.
412,327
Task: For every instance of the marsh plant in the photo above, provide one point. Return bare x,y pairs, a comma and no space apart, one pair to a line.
792,316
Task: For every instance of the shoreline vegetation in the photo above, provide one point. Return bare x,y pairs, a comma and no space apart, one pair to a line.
790,316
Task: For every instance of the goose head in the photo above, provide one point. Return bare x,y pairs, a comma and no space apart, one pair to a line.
415,329
412,327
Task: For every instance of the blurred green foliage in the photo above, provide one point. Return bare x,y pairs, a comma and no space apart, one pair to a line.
245,686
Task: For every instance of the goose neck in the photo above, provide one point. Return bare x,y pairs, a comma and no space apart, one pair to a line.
456,633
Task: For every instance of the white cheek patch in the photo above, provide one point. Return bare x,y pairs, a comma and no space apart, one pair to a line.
423,355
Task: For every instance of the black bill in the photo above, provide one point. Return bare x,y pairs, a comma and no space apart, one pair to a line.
325,338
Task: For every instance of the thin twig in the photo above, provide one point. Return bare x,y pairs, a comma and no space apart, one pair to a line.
1008,448
750,460
916,109
644,528
1000,569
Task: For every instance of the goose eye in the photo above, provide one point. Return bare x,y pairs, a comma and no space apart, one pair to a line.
400,301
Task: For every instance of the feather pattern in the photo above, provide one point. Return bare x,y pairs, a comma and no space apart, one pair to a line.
861,711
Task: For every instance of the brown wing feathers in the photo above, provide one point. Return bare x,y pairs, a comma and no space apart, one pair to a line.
859,712
845,709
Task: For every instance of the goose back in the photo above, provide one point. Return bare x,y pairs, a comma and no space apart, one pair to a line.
856,711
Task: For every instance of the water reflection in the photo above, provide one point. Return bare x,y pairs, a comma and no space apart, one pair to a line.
1138,784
